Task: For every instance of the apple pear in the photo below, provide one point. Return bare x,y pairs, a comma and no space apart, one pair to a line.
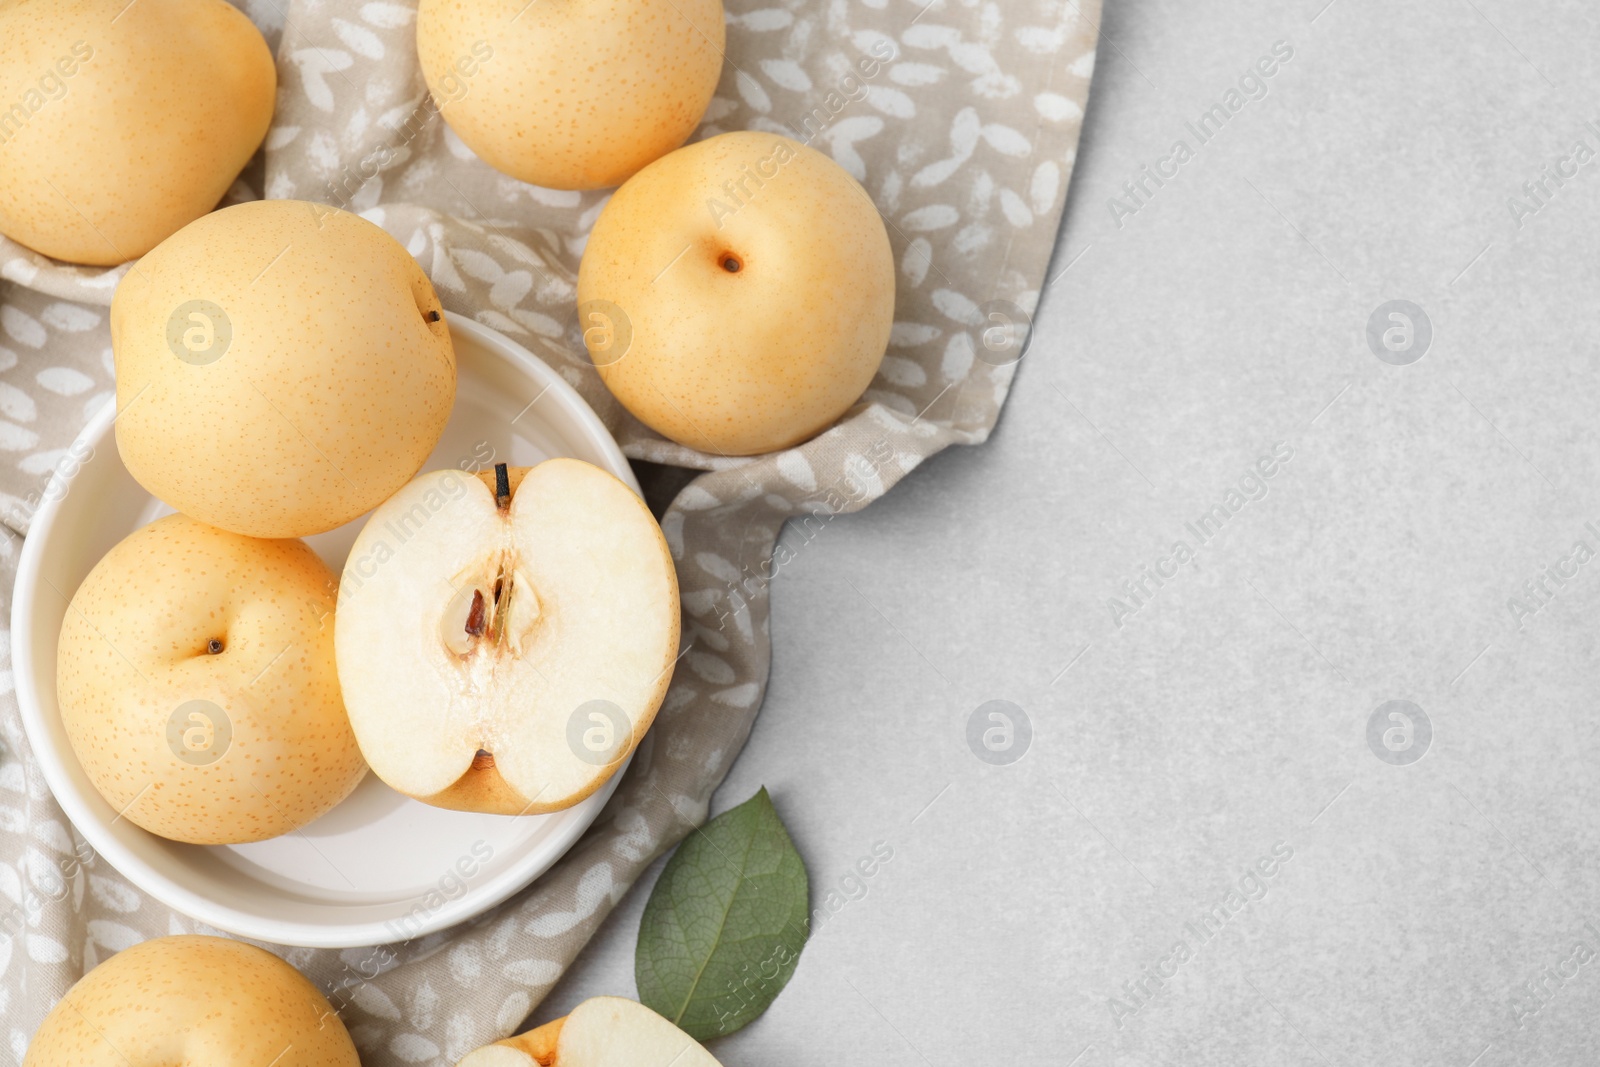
281,366
600,1032
571,95
196,680
120,123
194,1000
504,639
736,295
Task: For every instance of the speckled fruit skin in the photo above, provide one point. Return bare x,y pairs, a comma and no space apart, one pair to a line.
129,129
192,1000
134,649
571,94
330,394
751,361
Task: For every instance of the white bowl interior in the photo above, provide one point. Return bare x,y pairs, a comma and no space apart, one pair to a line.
380,867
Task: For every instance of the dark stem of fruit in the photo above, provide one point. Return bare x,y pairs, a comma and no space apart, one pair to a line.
476,616
214,646
433,316
731,264
483,760
502,486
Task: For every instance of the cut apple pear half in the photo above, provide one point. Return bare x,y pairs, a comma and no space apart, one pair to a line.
600,1032
505,638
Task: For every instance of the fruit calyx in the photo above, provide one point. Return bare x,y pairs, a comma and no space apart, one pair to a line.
541,1043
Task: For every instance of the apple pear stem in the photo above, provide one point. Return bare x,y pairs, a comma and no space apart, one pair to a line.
502,486
214,646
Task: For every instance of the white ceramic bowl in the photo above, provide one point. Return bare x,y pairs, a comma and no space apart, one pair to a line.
380,867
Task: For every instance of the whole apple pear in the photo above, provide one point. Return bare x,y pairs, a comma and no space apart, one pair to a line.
282,367
195,1000
197,683
120,123
571,94
736,295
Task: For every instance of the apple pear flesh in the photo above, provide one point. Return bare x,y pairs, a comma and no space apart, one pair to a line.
571,95
486,637
281,366
736,296
193,1000
121,123
600,1032
196,680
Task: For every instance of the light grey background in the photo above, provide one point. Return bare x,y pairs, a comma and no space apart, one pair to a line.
1229,714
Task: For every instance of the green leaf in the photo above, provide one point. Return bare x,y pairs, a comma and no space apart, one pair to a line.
725,924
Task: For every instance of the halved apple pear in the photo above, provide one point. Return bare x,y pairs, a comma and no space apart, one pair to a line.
504,639
600,1032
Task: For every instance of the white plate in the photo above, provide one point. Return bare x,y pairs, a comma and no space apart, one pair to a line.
380,867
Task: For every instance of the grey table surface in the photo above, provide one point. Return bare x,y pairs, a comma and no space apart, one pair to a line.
1432,895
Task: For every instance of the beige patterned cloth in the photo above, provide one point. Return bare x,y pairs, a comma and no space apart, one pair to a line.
963,128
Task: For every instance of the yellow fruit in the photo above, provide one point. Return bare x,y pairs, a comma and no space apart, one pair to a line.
121,123
192,999
600,1032
281,368
197,683
571,94
506,654
737,294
